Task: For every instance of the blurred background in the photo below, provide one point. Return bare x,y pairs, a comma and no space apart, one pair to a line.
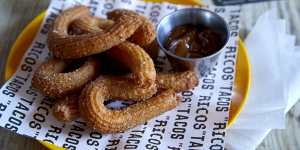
16,14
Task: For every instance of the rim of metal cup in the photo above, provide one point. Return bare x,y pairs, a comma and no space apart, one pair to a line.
161,45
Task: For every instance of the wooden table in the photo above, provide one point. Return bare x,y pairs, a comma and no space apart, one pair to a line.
16,14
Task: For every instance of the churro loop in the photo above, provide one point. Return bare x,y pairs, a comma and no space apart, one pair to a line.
135,58
104,120
68,46
140,83
144,35
92,109
66,109
50,79
127,53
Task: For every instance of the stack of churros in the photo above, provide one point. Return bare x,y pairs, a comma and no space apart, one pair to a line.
76,79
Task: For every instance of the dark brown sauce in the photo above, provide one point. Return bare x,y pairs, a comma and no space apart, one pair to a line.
193,41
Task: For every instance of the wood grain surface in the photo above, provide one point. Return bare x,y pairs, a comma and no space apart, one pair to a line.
16,14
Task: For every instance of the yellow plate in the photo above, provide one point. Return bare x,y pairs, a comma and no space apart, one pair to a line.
241,83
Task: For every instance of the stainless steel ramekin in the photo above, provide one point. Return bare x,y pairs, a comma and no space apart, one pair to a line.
198,17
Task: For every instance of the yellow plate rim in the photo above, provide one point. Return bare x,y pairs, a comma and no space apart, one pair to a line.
35,23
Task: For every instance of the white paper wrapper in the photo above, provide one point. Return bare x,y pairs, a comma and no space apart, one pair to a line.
267,98
197,123
248,137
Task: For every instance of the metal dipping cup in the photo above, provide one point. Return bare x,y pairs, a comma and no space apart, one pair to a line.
198,17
